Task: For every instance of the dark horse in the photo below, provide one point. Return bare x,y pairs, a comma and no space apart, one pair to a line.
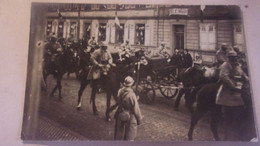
57,65
114,78
73,62
206,101
192,79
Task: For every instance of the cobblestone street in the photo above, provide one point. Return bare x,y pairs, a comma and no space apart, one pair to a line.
160,122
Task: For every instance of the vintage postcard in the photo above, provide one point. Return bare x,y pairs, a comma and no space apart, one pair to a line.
137,72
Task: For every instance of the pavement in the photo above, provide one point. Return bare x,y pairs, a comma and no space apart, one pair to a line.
65,122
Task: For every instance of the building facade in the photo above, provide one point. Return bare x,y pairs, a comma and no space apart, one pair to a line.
200,29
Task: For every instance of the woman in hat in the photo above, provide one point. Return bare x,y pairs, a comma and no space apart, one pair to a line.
128,114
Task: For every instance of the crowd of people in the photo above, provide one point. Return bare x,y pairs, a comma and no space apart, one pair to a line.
128,114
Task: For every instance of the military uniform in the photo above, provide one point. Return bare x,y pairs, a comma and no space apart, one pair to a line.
221,56
126,51
228,93
92,42
100,57
97,73
163,52
127,129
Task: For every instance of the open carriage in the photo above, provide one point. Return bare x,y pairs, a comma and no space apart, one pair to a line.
152,75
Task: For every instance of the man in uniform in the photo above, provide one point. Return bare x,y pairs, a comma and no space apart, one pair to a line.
128,114
229,94
221,54
52,50
102,61
92,43
126,50
163,51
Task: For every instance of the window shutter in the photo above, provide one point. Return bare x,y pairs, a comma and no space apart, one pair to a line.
203,37
147,34
207,36
108,27
113,32
126,31
212,37
132,34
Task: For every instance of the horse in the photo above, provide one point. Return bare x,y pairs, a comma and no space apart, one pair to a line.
206,101
73,63
57,68
57,65
114,78
192,79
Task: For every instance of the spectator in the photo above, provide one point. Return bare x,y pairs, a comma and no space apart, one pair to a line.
187,59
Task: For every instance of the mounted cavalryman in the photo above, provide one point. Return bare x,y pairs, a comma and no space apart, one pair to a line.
102,62
231,79
51,51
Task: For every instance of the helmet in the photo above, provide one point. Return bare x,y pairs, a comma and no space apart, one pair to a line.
162,43
232,53
129,81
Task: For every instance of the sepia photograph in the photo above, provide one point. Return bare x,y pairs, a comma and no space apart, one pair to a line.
137,72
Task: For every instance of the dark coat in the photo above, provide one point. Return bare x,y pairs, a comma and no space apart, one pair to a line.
187,60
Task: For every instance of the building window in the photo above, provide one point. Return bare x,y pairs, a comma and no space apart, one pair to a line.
103,7
238,29
207,37
102,32
73,27
120,34
87,31
49,27
60,29
95,7
238,35
203,28
75,7
111,6
121,7
140,6
140,34
86,7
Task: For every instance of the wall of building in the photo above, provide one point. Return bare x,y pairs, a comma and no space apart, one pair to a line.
157,30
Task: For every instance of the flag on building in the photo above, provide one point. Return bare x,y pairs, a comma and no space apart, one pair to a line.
117,24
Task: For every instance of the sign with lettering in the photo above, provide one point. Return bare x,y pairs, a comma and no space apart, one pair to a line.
178,11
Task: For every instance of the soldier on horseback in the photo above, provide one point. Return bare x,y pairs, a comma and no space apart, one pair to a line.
52,50
92,44
231,78
102,61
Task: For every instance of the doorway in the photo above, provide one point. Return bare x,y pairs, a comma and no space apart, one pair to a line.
178,37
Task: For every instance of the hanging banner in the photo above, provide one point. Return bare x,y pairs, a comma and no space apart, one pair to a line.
178,11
